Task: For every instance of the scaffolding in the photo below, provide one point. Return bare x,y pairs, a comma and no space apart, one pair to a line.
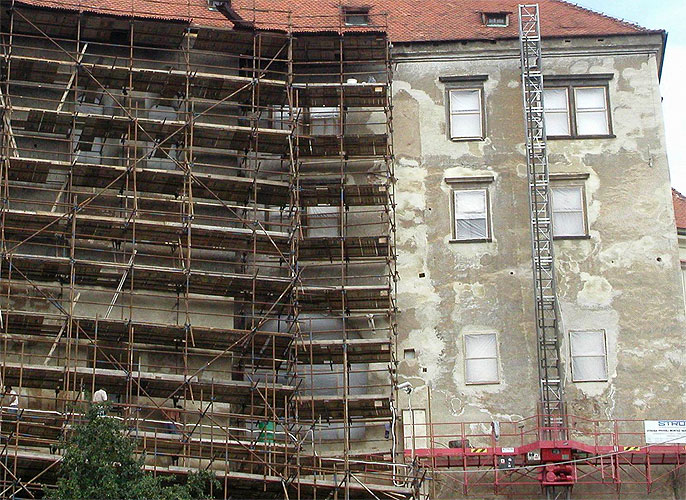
198,217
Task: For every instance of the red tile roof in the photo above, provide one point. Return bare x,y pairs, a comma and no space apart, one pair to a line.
679,201
405,20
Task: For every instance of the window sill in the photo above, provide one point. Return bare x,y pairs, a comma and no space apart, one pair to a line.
480,240
467,139
579,137
483,383
589,381
582,237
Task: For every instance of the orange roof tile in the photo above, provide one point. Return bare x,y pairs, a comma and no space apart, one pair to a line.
679,201
404,20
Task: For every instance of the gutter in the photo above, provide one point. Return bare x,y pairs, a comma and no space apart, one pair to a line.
662,55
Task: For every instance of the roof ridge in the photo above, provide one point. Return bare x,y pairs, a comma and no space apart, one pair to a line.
625,22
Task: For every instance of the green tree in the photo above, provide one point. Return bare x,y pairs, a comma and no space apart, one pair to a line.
99,462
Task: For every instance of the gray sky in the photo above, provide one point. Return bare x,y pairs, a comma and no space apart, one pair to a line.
668,15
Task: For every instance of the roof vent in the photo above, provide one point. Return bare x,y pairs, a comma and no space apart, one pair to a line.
495,19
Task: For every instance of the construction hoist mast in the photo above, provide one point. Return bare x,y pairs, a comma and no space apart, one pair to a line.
545,293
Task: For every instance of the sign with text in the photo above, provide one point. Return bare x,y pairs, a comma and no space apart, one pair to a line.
665,431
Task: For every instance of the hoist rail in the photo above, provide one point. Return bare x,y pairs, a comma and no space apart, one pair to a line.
545,294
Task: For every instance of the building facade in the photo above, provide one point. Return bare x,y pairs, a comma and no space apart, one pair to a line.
291,243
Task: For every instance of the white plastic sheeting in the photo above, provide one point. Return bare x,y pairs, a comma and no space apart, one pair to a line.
591,111
465,114
481,358
589,359
322,221
568,211
324,121
471,214
556,104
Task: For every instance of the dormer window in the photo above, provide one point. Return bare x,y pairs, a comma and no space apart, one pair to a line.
357,16
495,19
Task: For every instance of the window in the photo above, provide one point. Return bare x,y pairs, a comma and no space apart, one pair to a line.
415,429
556,104
356,17
324,121
590,116
470,209
481,358
466,117
591,111
569,218
495,19
589,356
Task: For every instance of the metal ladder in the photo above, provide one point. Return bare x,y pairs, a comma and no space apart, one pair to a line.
545,292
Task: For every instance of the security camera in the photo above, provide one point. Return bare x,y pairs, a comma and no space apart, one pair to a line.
406,386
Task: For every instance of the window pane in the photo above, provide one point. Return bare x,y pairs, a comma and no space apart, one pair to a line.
589,368
470,202
555,99
592,123
568,224
567,198
471,229
480,346
465,100
591,343
482,370
465,125
590,98
556,123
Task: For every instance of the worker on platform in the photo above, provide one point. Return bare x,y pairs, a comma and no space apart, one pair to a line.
14,399
100,396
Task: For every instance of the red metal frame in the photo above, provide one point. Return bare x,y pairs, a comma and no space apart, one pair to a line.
604,453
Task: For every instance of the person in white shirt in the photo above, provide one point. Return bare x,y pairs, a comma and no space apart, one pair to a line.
14,399
99,396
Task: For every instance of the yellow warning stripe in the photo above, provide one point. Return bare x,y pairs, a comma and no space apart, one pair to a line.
632,448
478,450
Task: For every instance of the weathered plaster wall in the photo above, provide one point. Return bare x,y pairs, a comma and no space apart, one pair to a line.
624,278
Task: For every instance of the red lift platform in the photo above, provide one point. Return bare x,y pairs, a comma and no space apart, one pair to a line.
513,458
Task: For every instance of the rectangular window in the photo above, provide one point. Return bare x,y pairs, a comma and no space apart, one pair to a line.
556,102
576,110
466,117
415,429
470,207
356,17
589,356
481,358
324,121
569,219
591,111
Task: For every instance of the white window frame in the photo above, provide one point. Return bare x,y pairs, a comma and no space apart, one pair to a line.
486,214
480,112
467,358
574,356
503,15
582,210
564,111
415,429
604,109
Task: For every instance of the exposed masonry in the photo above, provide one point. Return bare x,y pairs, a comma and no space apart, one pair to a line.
622,279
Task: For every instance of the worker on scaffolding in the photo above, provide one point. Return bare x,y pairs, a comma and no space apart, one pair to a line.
14,400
